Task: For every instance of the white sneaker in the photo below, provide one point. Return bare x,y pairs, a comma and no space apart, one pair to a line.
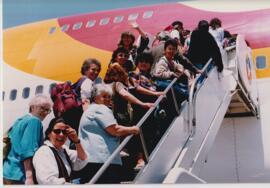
124,154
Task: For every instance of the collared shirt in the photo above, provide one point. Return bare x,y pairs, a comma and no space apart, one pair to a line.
93,135
87,86
46,166
26,137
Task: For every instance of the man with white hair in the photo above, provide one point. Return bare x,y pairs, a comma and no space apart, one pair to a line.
26,136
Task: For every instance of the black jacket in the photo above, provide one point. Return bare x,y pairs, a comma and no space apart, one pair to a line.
203,47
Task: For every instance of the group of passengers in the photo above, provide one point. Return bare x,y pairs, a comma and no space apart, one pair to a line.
136,76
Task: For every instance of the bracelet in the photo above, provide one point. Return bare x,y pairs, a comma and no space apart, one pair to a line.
79,141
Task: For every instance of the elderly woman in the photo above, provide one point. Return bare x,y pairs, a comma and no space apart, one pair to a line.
90,70
100,135
54,162
26,137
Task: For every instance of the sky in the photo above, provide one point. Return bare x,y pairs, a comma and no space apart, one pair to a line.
17,12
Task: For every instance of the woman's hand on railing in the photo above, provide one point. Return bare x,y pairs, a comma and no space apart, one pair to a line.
187,73
159,93
198,71
147,105
135,130
176,75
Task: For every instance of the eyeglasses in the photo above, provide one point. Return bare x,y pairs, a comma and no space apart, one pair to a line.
122,55
58,131
44,109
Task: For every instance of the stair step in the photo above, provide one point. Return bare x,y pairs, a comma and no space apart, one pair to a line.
126,182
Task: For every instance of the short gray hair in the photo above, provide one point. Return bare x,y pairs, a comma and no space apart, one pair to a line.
98,89
40,100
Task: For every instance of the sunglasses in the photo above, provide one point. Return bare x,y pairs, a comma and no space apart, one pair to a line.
58,131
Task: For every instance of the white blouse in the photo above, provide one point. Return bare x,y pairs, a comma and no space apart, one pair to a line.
46,166
86,88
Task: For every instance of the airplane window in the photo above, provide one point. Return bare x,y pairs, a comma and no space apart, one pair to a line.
77,26
3,95
148,14
26,92
51,86
90,23
52,30
133,16
104,21
39,89
261,62
13,94
65,27
118,19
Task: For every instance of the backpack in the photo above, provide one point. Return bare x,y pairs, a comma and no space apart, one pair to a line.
76,87
64,98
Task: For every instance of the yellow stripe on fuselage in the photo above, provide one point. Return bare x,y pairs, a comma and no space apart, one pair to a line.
54,56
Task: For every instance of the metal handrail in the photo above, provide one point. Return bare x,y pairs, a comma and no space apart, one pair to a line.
125,141
192,97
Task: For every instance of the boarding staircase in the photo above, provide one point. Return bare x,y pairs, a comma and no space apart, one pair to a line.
182,150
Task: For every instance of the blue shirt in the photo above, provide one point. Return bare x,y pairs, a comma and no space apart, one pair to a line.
26,137
95,139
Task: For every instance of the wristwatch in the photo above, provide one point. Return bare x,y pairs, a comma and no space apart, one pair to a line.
79,141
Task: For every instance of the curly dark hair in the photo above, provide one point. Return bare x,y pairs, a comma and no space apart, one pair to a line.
129,34
116,52
146,57
215,23
203,25
172,42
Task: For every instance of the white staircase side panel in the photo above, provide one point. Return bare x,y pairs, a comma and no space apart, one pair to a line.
180,175
209,100
241,152
199,160
165,154
208,142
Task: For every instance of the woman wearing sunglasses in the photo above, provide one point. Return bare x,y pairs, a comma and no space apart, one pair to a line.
121,56
54,162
